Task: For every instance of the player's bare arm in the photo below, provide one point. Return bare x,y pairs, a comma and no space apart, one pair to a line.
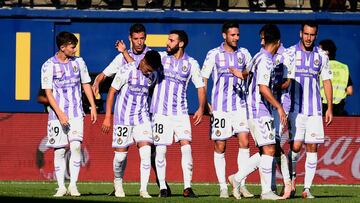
64,120
121,47
328,94
109,103
208,108
98,80
202,101
267,94
90,97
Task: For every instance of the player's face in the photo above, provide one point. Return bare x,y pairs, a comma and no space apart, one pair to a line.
308,36
137,40
69,50
145,68
232,37
262,39
173,44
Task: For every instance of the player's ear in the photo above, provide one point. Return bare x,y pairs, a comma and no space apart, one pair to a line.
224,35
300,34
181,44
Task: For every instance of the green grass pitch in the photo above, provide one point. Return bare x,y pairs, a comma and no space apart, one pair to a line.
14,191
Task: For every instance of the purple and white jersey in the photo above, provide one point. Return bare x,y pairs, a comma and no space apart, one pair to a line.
169,97
119,61
227,93
65,81
131,106
284,69
305,90
260,73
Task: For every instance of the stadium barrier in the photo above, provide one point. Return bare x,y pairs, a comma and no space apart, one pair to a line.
25,157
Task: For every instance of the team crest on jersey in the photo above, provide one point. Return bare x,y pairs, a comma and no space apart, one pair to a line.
156,138
313,135
52,141
240,60
316,62
75,68
241,124
119,141
271,136
184,68
218,133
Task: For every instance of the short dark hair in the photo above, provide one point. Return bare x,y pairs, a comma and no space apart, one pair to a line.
137,28
329,45
64,38
229,24
312,24
271,33
153,58
182,36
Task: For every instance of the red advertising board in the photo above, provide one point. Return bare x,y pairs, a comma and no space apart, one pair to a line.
23,155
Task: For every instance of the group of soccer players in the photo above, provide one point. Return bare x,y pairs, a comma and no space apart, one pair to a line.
273,93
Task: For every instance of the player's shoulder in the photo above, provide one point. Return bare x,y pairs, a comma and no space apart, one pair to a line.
163,54
213,51
290,49
321,52
243,50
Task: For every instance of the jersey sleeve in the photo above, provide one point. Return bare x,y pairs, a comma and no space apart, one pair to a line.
114,66
84,73
289,66
196,77
263,72
47,75
325,71
247,59
122,76
209,64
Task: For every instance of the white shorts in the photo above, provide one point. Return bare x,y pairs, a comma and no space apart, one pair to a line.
308,129
280,131
165,128
226,124
124,135
262,130
59,136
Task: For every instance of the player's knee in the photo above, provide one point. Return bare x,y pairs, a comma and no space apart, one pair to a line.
120,156
75,147
160,151
145,153
219,147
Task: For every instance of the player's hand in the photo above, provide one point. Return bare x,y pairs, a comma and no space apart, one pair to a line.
236,72
93,114
282,116
120,46
95,88
198,116
64,120
328,117
106,125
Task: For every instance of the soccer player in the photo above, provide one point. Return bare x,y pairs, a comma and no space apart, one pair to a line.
170,111
131,116
306,122
137,38
260,84
283,73
228,106
62,77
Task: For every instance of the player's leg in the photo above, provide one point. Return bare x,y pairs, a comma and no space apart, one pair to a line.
183,135
143,137
153,166
122,139
75,137
57,139
162,129
314,136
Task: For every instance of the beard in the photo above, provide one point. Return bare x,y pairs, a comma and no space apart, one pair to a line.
172,51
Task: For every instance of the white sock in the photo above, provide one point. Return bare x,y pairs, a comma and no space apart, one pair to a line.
266,163
243,156
250,166
75,162
145,166
60,166
187,164
293,158
284,165
119,165
276,161
160,160
220,165
310,168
